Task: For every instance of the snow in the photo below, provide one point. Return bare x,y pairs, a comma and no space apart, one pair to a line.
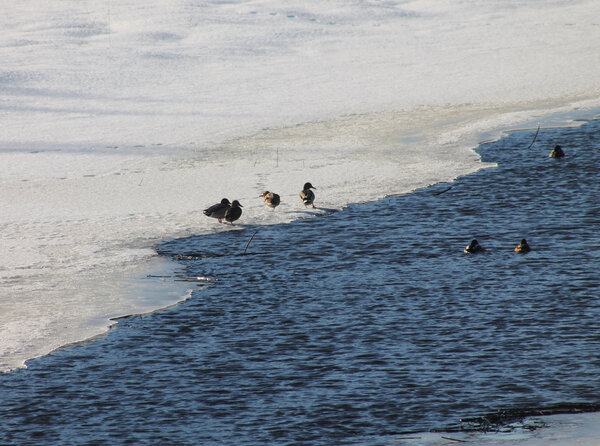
121,121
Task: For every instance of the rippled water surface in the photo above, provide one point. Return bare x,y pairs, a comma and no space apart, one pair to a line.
352,327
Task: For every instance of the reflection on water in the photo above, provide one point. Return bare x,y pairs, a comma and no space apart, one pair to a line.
355,326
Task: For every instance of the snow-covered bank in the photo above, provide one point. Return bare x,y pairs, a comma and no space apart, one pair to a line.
120,122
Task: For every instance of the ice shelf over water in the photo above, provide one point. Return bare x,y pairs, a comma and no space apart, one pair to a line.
121,121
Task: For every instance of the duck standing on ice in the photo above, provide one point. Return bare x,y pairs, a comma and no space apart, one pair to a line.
234,212
271,199
218,210
307,195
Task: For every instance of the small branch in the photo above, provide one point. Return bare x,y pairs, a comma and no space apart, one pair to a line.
248,244
455,439
535,137
445,190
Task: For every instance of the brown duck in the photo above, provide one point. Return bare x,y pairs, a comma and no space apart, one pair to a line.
271,199
523,247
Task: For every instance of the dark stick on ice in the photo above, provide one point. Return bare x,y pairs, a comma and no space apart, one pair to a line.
455,439
248,244
535,137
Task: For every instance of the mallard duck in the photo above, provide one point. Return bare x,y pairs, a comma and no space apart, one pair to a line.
523,247
218,210
557,152
234,212
474,247
307,195
271,199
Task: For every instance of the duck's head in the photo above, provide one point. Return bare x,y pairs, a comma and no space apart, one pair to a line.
308,186
236,204
225,201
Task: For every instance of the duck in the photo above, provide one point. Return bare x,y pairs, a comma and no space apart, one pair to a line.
271,199
307,195
218,210
523,247
234,212
473,248
557,152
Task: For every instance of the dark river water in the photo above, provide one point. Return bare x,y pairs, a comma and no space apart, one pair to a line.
353,327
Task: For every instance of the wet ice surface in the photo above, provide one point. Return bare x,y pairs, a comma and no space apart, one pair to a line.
357,326
563,429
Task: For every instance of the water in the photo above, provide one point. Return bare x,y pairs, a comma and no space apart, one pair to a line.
355,326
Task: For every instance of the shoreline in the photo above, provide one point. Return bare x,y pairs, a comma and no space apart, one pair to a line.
155,291
562,424
398,155
533,429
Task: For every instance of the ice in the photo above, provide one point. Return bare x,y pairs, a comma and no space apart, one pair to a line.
121,121
557,430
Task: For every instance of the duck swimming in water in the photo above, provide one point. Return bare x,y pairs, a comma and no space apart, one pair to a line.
234,212
307,195
271,199
473,248
557,152
218,210
523,247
